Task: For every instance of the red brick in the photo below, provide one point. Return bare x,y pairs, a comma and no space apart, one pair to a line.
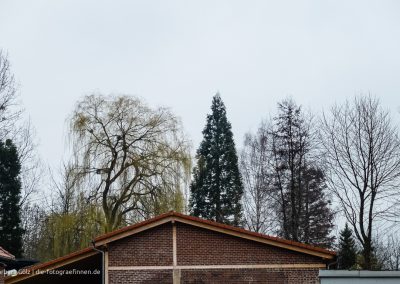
141,277
152,247
197,246
239,276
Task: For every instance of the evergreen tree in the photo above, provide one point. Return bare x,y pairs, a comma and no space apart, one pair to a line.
316,222
302,206
216,189
10,189
347,249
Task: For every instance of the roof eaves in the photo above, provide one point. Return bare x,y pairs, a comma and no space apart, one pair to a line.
55,263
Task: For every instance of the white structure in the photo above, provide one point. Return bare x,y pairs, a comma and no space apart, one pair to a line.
358,277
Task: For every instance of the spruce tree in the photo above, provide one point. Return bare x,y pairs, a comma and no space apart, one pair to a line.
317,218
347,250
10,190
216,189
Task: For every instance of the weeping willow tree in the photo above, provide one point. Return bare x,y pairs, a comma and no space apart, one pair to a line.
134,156
64,232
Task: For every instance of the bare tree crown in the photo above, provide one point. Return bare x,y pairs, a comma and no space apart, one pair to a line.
362,151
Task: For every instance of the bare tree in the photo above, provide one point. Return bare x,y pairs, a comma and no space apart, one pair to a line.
362,151
285,187
302,204
13,126
32,169
9,111
392,252
386,255
128,150
33,218
66,186
256,169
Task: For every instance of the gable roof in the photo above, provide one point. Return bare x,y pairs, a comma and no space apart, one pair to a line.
163,219
214,226
6,254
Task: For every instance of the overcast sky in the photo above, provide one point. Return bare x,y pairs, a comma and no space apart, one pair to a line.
180,53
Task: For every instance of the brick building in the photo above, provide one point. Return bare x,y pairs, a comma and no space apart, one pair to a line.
175,248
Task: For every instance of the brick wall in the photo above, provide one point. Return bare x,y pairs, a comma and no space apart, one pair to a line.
240,276
217,276
141,277
197,246
152,247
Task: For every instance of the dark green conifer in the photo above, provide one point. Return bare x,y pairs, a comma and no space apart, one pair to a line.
10,195
216,189
347,250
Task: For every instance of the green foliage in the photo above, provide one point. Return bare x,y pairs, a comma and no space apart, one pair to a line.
216,189
347,253
63,233
10,190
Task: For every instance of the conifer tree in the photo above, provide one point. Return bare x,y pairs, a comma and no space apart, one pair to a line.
10,190
347,250
216,189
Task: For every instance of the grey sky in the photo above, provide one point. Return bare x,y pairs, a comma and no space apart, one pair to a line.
180,53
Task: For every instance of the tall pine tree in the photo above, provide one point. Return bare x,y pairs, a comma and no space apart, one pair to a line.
216,189
10,189
347,253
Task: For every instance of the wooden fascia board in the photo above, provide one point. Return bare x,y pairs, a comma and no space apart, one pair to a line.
16,279
254,238
133,231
